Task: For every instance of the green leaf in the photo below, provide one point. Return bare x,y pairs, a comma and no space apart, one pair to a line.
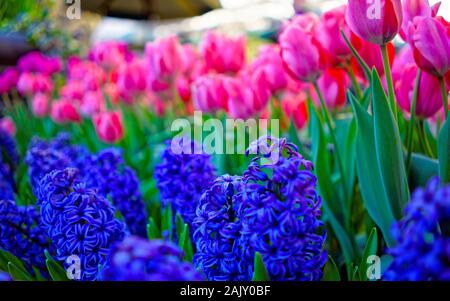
18,274
167,220
322,163
6,257
152,229
331,271
444,152
56,271
422,170
260,272
188,249
369,176
389,149
355,274
369,250
179,224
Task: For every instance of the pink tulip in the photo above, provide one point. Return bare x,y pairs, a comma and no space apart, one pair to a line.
92,103
164,60
154,101
183,87
208,93
36,62
301,52
415,8
330,36
371,54
8,79
430,39
8,125
269,61
377,21
108,126
30,83
131,77
39,105
333,85
429,99
64,111
296,108
112,92
109,54
73,90
247,95
222,53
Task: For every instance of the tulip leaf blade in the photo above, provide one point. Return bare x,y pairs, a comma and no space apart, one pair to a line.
56,271
17,273
331,271
370,179
422,170
260,272
389,153
369,250
444,152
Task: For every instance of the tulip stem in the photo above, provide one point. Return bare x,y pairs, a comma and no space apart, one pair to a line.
355,83
444,95
412,120
389,82
329,122
360,60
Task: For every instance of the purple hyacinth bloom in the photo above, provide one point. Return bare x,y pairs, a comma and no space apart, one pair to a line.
9,158
138,259
44,157
281,210
22,235
108,173
222,253
5,276
182,176
78,220
422,251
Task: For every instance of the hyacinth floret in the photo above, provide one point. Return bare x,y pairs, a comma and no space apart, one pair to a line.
78,220
422,251
182,176
44,157
111,177
22,235
280,211
222,253
138,259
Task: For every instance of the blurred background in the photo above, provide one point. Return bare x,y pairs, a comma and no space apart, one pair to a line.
55,26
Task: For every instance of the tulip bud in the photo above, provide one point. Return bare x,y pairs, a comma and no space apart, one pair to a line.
333,84
296,108
39,105
430,40
223,54
377,21
8,125
416,8
301,52
208,93
108,126
64,111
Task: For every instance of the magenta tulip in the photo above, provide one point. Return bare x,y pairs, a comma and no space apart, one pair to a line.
8,125
8,79
269,61
109,126
330,36
377,21
430,39
416,8
92,103
32,83
64,111
223,54
40,105
301,52
208,93
333,85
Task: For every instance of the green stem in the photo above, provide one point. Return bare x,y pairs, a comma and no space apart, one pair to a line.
388,74
355,83
330,125
412,119
444,95
360,60
423,138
